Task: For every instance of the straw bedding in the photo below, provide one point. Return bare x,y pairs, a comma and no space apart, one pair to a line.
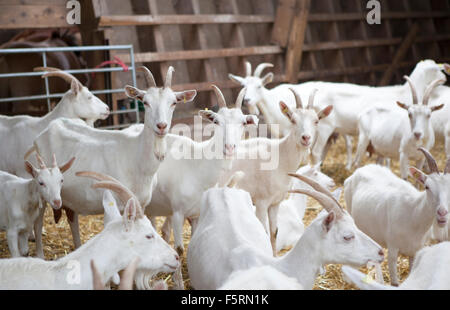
57,238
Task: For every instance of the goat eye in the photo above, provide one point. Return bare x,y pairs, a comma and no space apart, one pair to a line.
149,236
426,187
41,184
348,238
89,98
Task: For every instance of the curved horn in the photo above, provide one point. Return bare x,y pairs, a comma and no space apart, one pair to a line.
298,100
168,82
40,162
96,176
58,73
311,98
248,69
430,160
220,98
318,187
413,89
240,98
260,68
328,203
124,193
148,76
430,88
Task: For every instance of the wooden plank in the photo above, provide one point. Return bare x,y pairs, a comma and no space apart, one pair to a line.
283,21
326,17
296,40
202,54
32,16
152,20
400,54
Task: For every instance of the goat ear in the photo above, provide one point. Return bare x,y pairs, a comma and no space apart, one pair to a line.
437,107
75,87
67,165
325,112
267,79
251,120
417,175
328,221
402,105
110,207
237,79
186,96
130,213
208,115
287,112
30,169
134,93
447,68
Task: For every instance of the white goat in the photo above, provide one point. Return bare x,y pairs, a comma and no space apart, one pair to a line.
229,238
260,278
133,160
18,132
393,212
267,180
122,240
430,271
180,195
348,100
292,210
22,199
394,133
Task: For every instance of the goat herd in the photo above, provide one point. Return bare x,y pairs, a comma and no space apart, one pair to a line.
243,206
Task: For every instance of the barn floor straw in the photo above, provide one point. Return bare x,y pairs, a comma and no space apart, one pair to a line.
58,239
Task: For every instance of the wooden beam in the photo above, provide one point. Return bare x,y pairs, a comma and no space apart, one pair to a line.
296,40
32,16
141,20
326,17
400,54
283,21
202,54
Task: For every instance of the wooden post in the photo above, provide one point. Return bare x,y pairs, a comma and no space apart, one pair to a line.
283,21
400,54
296,41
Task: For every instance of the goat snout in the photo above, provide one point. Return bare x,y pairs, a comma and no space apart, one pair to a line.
306,139
442,217
161,128
418,135
57,203
381,253
229,148
177,258
442,212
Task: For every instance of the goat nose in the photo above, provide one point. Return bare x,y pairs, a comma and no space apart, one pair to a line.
177,258
381,252
442,212
306,138
57,203
230,147
161,126
417,135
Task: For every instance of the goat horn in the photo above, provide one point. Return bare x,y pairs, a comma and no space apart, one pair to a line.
54,164
318,187
430,160
168,82
97,176
430,88
61,74
260,68
248,69
240,98
311,98
148,76
413,89
127,278
124,193
298,100
40,162
220,98
328,203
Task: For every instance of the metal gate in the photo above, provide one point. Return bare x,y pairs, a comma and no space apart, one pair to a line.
48,95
